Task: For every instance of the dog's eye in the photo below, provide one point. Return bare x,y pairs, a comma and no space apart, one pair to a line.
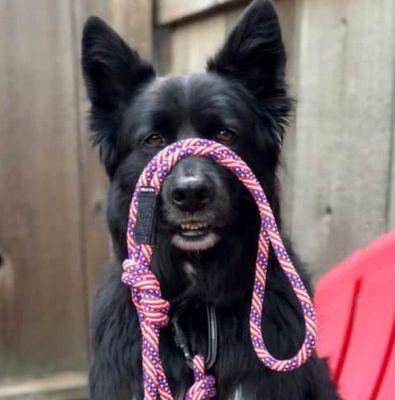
225,136
155,140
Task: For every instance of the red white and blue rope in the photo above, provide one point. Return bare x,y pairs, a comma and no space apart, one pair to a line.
153,310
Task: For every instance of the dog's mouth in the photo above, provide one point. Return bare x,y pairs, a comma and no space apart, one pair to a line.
195,235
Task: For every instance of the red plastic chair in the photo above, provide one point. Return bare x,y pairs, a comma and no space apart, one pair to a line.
355,305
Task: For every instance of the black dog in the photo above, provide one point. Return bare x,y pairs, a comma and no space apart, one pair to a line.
207,234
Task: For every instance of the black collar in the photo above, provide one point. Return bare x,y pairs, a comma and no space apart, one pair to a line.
181,341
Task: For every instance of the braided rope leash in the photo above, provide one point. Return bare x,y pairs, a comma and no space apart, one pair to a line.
153,310
203,388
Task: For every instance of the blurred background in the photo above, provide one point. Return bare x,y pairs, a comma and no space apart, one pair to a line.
337,176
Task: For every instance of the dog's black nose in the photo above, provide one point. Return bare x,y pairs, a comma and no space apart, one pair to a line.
192,193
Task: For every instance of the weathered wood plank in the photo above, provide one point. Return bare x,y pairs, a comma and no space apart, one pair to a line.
344,127
289,15
42,316
391,187
63,386
192,43
134,20
170,11
391,180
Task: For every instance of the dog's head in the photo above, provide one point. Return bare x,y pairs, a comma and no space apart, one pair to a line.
239,101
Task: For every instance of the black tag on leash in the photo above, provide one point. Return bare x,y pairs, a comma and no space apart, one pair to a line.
147,215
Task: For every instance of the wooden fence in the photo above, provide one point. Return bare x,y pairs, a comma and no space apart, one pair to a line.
53,241
337,176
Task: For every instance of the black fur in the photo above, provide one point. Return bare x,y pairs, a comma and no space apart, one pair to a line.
244,91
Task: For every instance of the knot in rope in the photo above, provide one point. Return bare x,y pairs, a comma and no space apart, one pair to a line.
151,307
204,386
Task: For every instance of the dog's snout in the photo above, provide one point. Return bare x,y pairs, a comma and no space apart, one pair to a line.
192,193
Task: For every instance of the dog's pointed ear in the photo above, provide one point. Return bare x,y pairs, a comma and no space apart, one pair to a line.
113,72
254,54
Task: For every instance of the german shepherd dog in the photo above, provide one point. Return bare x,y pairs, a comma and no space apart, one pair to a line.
206,239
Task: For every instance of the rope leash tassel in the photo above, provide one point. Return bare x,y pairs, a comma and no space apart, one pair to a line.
146,295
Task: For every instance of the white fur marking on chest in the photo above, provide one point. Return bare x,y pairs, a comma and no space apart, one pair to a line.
190,270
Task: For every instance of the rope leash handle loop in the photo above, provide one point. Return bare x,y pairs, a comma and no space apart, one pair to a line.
140,256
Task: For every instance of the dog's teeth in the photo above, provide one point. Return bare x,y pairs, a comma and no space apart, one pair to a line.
194,226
